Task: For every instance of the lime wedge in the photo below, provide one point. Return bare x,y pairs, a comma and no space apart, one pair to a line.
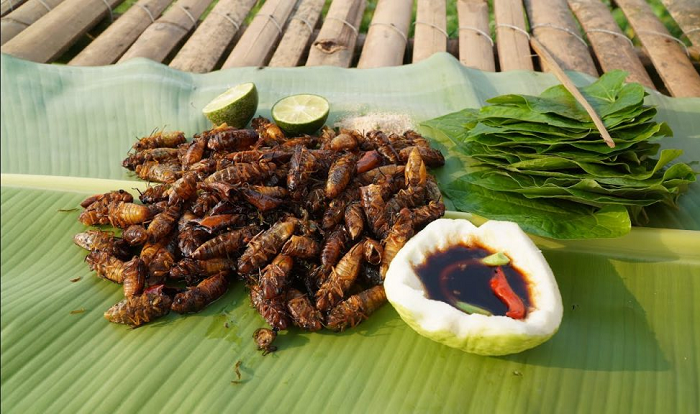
235,107
301,114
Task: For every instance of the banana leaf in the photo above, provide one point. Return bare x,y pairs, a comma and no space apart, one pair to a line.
628,338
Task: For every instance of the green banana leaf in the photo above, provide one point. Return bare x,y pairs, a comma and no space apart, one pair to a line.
628,340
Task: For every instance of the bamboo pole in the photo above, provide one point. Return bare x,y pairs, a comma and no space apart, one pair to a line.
511,36
612,48
21,18
298,35
668,57
337,40
475,44
166,33
687,14
430,34
553,25
387,36
52,34
210,41
9,6
117,38
258,42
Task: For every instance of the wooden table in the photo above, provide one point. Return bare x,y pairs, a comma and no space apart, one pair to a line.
191,35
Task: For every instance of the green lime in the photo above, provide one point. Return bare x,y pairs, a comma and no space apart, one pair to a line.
301,114
235,107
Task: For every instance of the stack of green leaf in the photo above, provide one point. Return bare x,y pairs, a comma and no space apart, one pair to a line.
540,161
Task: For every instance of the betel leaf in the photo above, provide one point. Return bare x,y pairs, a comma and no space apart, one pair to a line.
566,220
532,152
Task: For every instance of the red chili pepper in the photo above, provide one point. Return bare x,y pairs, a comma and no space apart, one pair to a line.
501,287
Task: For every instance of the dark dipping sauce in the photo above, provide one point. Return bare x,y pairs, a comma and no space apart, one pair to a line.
457,274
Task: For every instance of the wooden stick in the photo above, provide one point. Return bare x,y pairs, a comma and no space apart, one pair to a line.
613,49
298,35
553,65
163,36
511,36
9,6
687,14
210,41
337,40
117,38
667,55
551,22
52,34
387,36
23,17
475,45
430,29
258,42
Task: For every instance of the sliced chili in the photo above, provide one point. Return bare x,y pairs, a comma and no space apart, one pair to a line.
501,287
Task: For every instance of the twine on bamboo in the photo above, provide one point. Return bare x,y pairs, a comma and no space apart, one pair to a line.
345,22
481,32
651,32
563,29
111,15
148,12
393,26
433,26
311,29
44,4
610,32
187,12
273,20
228,17
693,30
516,28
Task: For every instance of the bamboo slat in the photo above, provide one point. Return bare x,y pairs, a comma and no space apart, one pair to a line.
121,34
210,41
259,41
668,57
612,48
299,34
475,44
387,36
8,6
163,36
687,14
512,38
13,23
430,34
337,40
553,25
52,34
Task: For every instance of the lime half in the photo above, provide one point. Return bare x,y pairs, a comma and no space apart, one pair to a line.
235,107
301,114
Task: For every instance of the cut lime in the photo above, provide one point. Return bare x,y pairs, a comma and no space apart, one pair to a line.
235,107
301,114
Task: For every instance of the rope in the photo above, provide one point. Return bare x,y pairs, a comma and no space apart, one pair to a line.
345,22
44,4
651,32
433,26
184,10
610,32
516,28
693,30
393,26
273,20
311,28
148,12
563,29
111,15
228,17
479,31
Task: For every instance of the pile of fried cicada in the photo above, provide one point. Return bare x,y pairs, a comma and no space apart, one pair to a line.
309,224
